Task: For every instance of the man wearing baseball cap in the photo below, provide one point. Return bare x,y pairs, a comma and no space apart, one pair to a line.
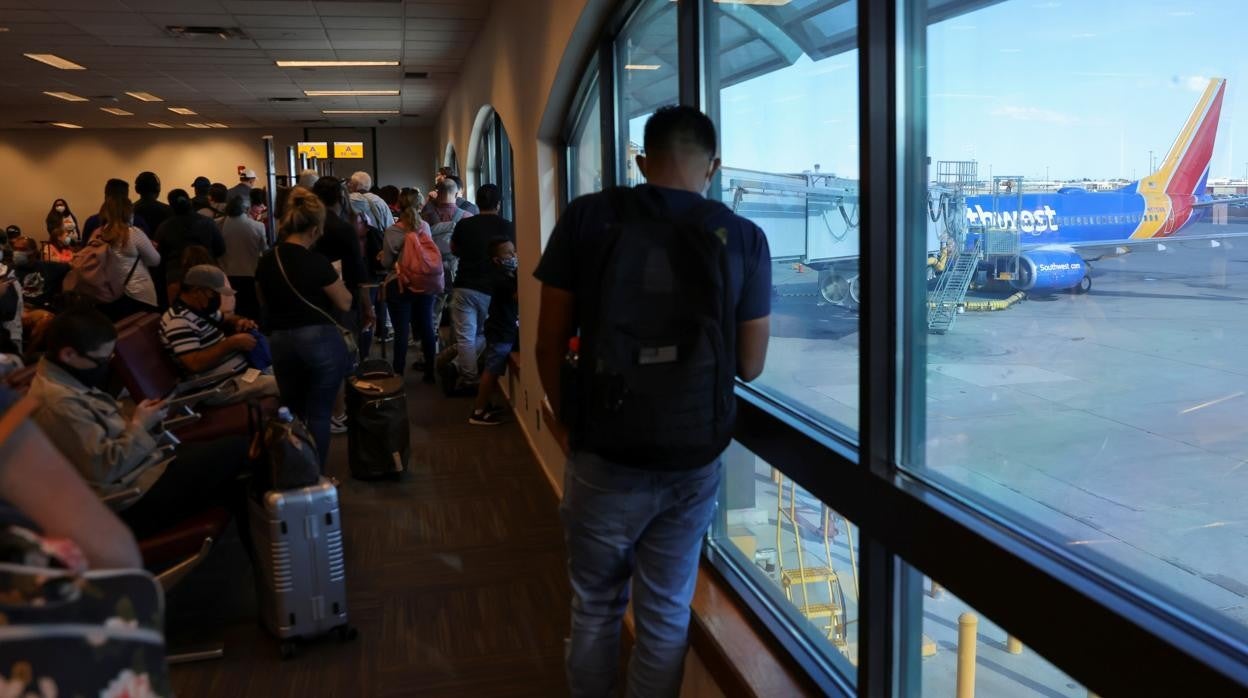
200,188
246,180
206,343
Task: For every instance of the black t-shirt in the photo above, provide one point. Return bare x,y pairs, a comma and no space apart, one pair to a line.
154,212
502,324
180,232
471,243
310,272
340,243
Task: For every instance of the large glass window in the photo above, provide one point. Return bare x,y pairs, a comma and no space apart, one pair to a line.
585,146
646,61
802,555
1103,398
783,89
495,164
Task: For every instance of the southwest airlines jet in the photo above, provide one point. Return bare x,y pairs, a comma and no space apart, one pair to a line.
1062,231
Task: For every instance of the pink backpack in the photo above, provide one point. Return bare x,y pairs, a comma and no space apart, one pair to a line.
419,268
97,273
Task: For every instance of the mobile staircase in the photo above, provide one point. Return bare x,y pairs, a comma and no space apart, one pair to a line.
951,288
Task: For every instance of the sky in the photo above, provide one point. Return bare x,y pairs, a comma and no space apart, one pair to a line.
1077,88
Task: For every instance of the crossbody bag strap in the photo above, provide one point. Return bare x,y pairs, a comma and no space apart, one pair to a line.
278,255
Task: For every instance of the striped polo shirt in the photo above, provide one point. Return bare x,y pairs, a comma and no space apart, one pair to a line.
183,330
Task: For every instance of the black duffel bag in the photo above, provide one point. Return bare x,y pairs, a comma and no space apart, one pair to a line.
378,435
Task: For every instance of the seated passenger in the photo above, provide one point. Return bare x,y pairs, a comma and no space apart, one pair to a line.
41,291
58,247
502,330
207,343
114,452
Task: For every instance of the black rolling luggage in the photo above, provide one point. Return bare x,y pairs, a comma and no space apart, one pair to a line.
378,441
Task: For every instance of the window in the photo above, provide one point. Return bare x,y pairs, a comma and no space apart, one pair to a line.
495,165
646,62
1093,416
585,144
784,93
801,554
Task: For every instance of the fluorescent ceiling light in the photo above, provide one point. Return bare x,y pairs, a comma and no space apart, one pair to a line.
118,112
145,96
64,124
359,111
351,93
158,124
196,124
641,66
182,110
334,64
53,60
67,96
217,124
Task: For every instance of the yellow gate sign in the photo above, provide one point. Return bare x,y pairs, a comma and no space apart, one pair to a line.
348,150
313,149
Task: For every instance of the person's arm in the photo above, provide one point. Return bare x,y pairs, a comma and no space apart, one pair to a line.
556,323
62,504
754,307
147,251
752,338
338,295
210,357
392,246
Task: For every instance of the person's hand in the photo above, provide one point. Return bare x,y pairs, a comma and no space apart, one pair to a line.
148,414
243,324
369,318
242,341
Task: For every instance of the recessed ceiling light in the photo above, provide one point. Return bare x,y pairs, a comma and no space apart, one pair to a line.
217,124
53,60
641,66
359,111
145,96
67,96
334,64
64,124
117,111
351,93
196,124
157,124
182,110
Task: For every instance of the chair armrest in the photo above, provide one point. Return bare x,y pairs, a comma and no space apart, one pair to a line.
123,498
173,424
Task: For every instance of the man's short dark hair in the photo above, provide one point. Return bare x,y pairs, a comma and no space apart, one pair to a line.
497,242
488,197
675,128
80,328
147,183
446,171
328,190
236,206
218,193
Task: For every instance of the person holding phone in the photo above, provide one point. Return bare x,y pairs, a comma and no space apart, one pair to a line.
115,451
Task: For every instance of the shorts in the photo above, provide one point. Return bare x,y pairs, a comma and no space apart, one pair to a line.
495,357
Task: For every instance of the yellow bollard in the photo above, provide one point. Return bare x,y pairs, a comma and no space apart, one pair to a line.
1013,645
968,624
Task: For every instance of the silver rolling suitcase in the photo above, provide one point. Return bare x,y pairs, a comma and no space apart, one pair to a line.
298,539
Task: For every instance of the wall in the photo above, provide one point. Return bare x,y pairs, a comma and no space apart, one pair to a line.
40,166
43,165
525,65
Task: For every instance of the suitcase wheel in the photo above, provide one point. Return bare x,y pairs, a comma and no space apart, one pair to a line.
345,633
287,649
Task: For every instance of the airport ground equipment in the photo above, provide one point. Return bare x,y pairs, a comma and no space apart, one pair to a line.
804,576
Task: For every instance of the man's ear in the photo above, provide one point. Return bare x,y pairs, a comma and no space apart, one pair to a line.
715,165
641,165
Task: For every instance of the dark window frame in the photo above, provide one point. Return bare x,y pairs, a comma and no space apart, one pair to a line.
986,557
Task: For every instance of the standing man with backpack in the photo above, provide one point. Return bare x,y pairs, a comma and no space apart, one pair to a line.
670,295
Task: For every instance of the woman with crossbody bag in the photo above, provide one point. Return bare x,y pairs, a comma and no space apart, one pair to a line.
301,292
136,254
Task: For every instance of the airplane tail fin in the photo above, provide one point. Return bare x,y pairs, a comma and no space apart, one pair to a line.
1186,167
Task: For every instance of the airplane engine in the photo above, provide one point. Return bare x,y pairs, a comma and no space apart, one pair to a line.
1049,271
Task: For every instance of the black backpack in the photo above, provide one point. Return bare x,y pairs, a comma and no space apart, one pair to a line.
374,242
653,383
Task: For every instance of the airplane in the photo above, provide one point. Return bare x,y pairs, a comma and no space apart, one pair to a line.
1062,232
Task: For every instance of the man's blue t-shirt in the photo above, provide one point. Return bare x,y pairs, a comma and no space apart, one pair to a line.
568,262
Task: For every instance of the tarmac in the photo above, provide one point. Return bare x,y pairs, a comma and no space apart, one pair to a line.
1113,421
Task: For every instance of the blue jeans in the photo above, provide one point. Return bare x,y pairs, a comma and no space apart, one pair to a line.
310,364
414,310
469,309
627,525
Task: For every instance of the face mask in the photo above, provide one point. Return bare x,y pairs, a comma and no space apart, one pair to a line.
60,209
96,377
21,259
510,263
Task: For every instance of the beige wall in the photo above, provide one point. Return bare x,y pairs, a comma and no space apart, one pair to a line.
525,64
40,165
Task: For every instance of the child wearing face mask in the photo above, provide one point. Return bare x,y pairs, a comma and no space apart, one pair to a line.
59,247
502,331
